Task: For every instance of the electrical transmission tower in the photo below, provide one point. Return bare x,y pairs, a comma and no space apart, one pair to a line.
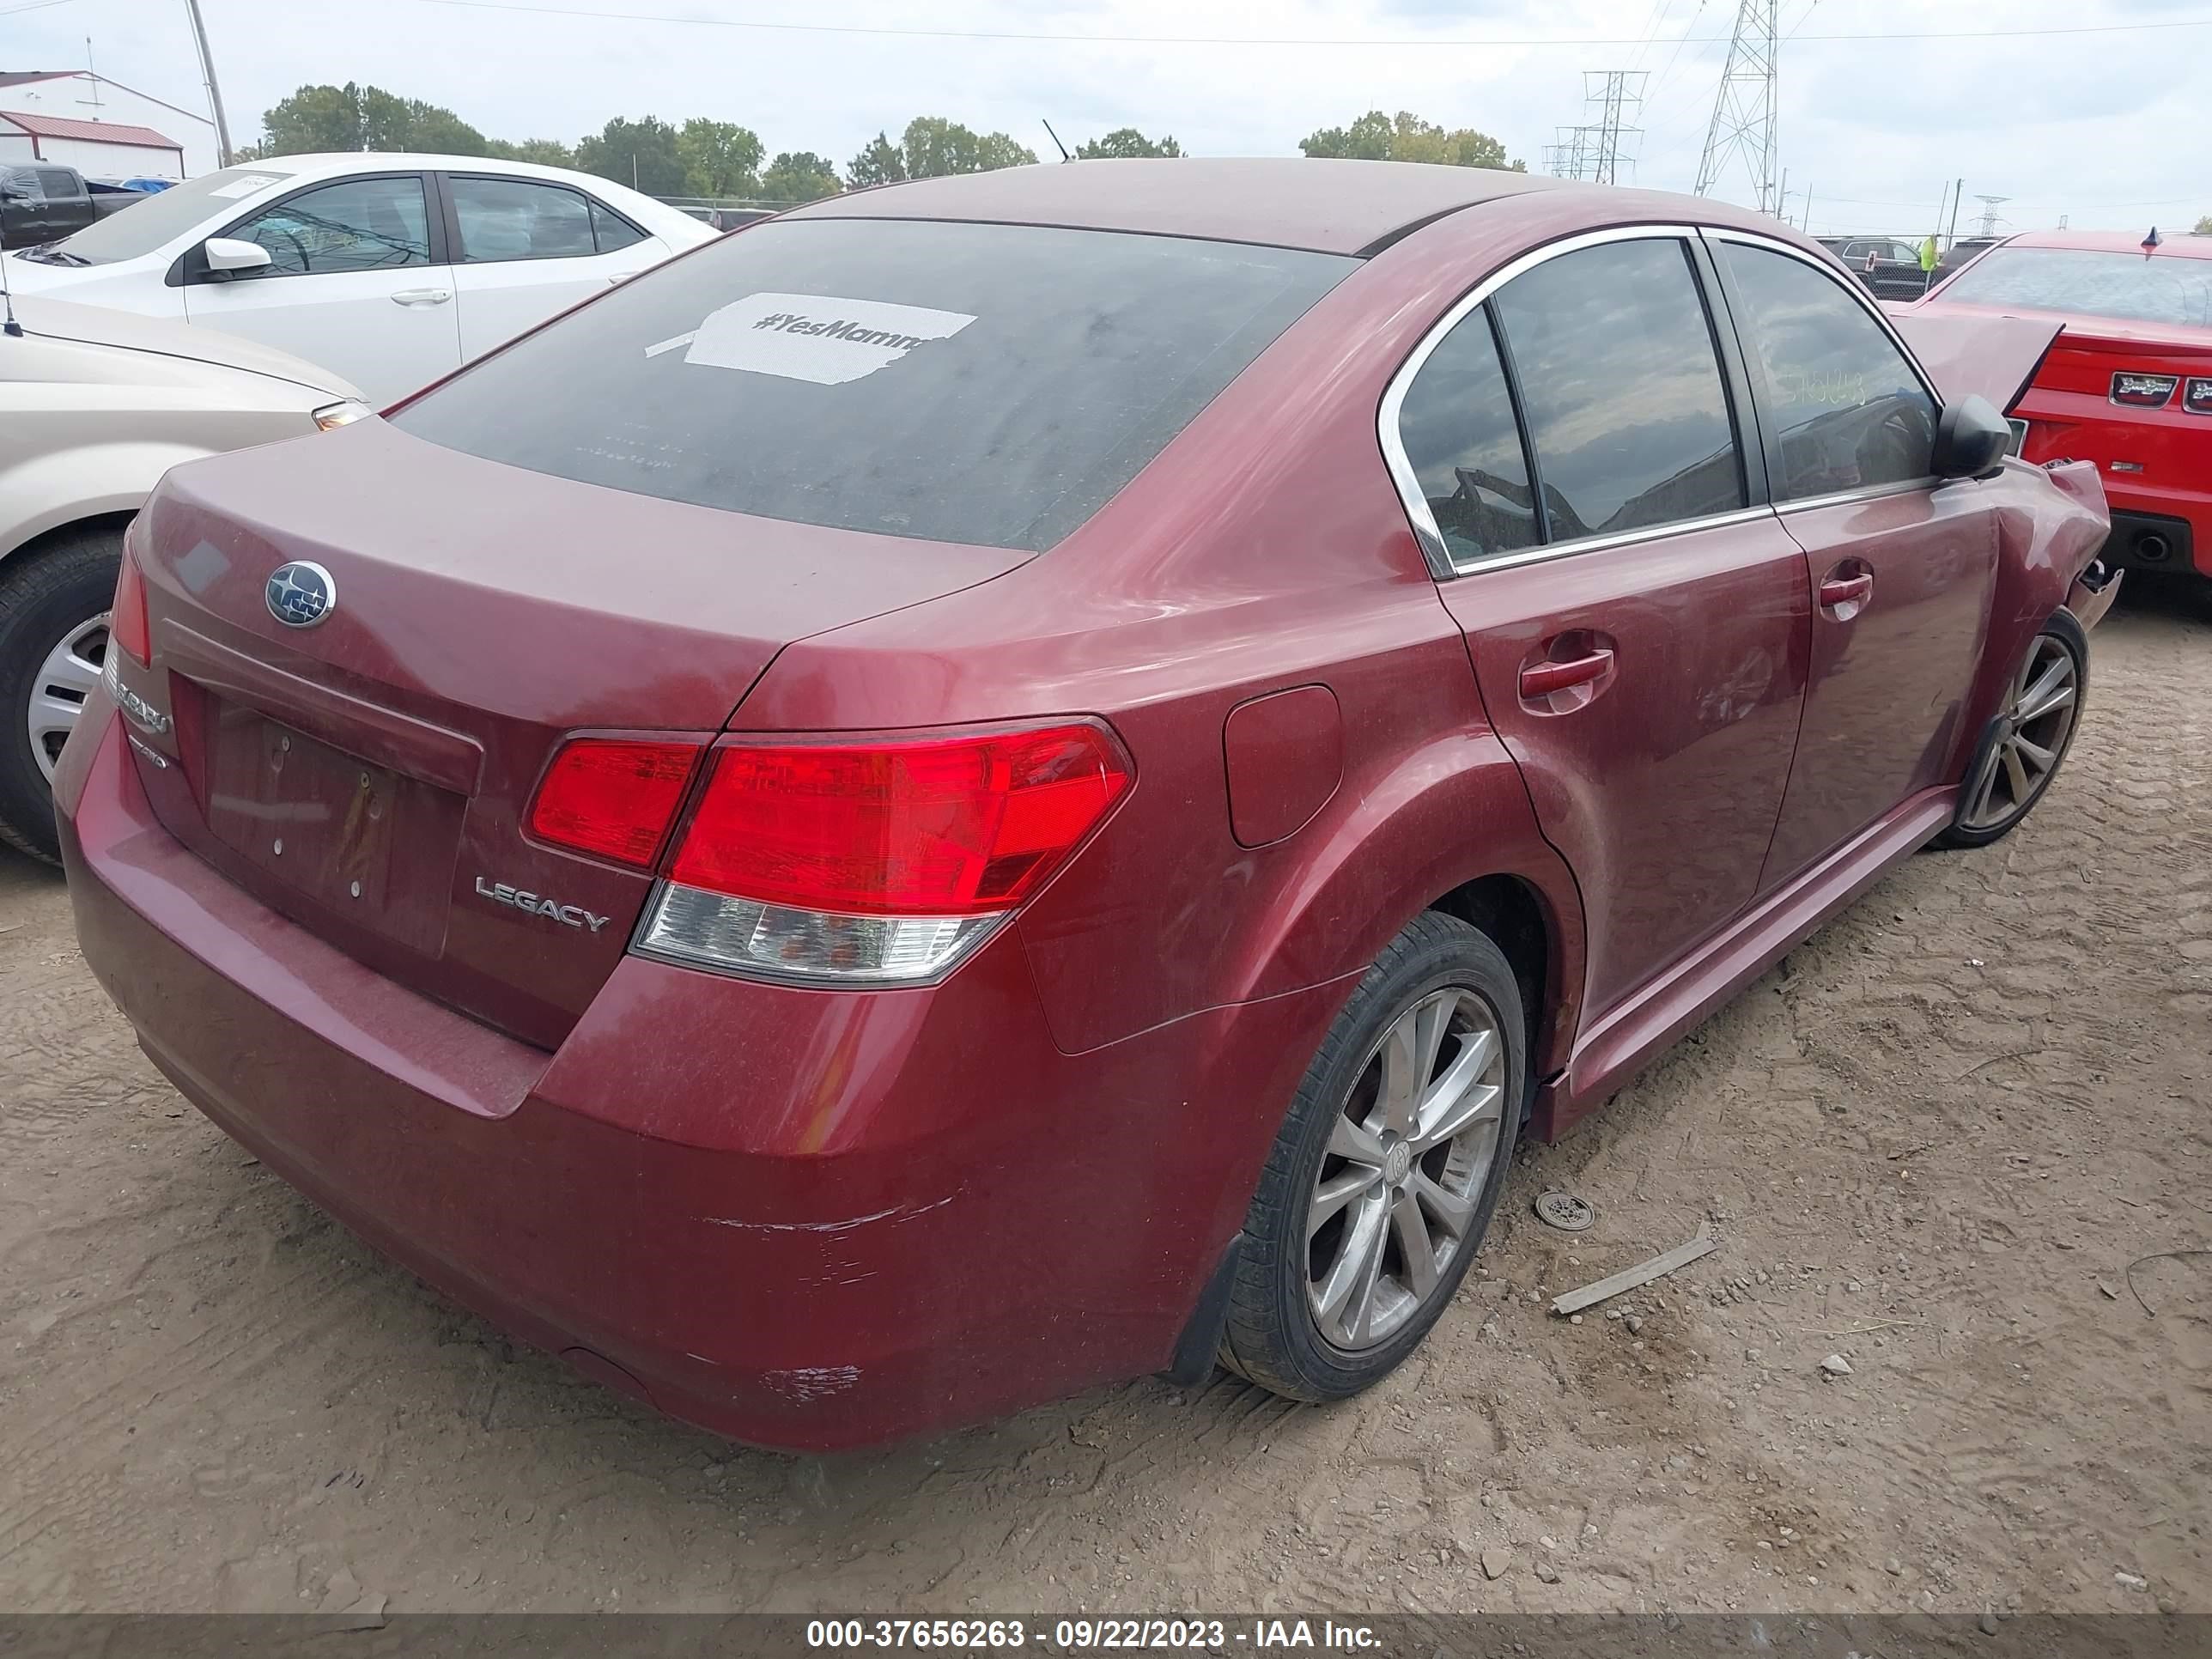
1989,212
1743,125
1612,95
1570,158
1593,150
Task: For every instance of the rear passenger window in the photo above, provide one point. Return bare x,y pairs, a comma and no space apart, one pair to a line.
505,219
1851,412
1621,389
1457,426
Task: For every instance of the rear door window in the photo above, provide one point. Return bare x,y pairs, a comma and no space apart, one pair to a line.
1456,425
521,219
1620,385
1851,412
988,384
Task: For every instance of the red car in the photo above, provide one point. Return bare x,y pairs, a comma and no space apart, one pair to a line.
1016,780
2128,382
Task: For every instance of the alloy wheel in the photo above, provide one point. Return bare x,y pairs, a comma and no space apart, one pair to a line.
64,680
1407,1156
2038,720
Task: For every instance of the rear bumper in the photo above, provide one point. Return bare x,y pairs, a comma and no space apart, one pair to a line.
804,1219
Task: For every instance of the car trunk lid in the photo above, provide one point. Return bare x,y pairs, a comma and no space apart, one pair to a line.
369,776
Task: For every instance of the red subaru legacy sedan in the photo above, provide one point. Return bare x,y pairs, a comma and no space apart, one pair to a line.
1021,780
2127,384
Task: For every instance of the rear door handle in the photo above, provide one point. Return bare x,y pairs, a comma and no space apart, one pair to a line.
1845,590
1541,679
422,296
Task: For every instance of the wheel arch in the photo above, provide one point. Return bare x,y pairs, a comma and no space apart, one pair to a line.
111,521
1514,914
1449,828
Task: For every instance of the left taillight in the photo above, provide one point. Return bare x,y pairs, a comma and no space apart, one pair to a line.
127,626
828,861
613,797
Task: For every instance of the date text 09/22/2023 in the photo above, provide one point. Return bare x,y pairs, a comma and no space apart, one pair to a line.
1090,1635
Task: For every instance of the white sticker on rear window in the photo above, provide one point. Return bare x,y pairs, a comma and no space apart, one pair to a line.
811,336
247,185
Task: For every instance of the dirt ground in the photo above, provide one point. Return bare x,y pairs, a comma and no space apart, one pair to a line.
1948,1141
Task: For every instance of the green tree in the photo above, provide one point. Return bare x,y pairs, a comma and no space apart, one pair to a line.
1127,141
1376,136
720,158
546,152
933,147
880,163
2204,225
643,153
354,117
800,176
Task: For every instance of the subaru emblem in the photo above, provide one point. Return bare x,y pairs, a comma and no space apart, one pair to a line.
300,594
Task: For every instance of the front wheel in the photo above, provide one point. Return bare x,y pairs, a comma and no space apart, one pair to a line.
2021,750
53,642
1386,1172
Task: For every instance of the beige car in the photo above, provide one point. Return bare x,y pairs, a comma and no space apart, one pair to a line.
95,405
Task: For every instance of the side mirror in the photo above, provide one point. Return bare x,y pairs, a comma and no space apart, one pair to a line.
1971,438
227,257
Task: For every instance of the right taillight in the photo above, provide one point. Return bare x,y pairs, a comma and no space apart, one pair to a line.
881,861
2196,396
127,627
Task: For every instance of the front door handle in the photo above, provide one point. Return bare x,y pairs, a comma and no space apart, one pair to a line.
422,296
1541,679
1838,590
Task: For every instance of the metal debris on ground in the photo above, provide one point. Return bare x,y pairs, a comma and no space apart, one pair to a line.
1629,1278
1569,1214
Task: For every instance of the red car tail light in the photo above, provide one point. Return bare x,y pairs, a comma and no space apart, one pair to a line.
2197,396
612,798
878,862
127,627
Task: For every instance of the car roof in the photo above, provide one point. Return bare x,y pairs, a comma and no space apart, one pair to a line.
314,165
2114,242
1329,206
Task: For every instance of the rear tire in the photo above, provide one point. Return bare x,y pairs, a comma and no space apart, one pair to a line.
2022,750
1385,1175
53,640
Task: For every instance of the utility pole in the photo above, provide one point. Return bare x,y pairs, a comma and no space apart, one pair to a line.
1952,235
214,92
1805,223
1743,123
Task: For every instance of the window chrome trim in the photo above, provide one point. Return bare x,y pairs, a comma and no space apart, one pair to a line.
1867,493
1407,482
1654,532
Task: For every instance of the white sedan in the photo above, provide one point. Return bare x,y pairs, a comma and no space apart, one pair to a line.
95,405
388,270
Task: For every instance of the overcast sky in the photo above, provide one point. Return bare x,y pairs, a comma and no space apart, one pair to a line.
2107,127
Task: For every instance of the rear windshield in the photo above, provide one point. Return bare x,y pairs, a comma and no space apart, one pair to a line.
988,384
2163,289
